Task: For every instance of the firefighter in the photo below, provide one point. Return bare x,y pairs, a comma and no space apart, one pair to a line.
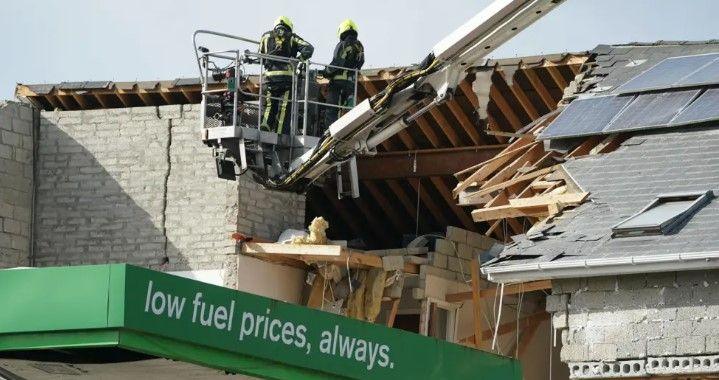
277,80
349,53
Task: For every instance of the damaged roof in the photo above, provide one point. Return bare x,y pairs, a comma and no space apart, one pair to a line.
579,242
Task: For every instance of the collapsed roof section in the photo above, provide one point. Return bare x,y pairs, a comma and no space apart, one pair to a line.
407,187
649,167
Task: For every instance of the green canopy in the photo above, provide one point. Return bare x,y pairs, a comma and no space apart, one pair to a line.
167,316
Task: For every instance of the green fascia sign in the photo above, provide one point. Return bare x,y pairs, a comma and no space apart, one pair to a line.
167,316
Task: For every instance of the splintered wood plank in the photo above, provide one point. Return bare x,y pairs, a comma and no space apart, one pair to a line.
511,149
490,166
514,225
508,211
463,199
292,249
309,253
545,200
533,154
543,185
516,180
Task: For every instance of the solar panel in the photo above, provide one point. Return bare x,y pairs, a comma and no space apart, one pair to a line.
704,108
668,73
585,117
708,74
651,110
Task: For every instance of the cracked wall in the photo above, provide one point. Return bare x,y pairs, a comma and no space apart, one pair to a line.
16,183
638,325
137,185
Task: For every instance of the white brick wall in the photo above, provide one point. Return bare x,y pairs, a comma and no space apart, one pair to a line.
16,123
136,185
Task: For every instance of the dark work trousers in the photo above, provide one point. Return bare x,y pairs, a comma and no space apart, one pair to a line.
338,92
276,115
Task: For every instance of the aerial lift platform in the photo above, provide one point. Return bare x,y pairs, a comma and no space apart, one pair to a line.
230,117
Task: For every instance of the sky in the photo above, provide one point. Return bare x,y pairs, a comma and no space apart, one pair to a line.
58,40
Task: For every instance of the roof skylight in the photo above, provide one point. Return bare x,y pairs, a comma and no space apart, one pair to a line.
663,214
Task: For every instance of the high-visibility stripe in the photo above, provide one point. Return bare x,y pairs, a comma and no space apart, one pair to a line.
283,111
342,76
278,72
266,114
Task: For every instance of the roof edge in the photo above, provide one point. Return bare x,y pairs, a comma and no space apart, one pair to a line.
603,267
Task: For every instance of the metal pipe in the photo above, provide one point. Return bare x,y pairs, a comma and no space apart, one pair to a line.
603,266
306,99
422,111
386,133
237,86
329,105
219,34
218,55
259,103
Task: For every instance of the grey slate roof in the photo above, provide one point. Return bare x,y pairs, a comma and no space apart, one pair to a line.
613,65
622,182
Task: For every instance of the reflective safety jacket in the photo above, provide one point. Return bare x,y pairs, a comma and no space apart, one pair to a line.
282,42
349,52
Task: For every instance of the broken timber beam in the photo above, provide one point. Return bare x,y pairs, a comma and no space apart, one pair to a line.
515,180
548,199
491,165
508,211
424,162
308,253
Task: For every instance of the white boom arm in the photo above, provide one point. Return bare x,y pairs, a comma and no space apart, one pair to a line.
374,120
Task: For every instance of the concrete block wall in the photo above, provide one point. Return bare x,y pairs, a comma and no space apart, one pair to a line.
16,183
452,256
638,320
136,185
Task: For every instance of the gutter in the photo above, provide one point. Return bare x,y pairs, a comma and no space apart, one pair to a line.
603,267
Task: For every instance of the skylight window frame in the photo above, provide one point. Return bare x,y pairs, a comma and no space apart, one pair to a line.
702,198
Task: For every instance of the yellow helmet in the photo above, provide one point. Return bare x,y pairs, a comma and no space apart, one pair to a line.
345,26
284,20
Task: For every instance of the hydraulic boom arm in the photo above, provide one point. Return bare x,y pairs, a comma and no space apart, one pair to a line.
385,114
